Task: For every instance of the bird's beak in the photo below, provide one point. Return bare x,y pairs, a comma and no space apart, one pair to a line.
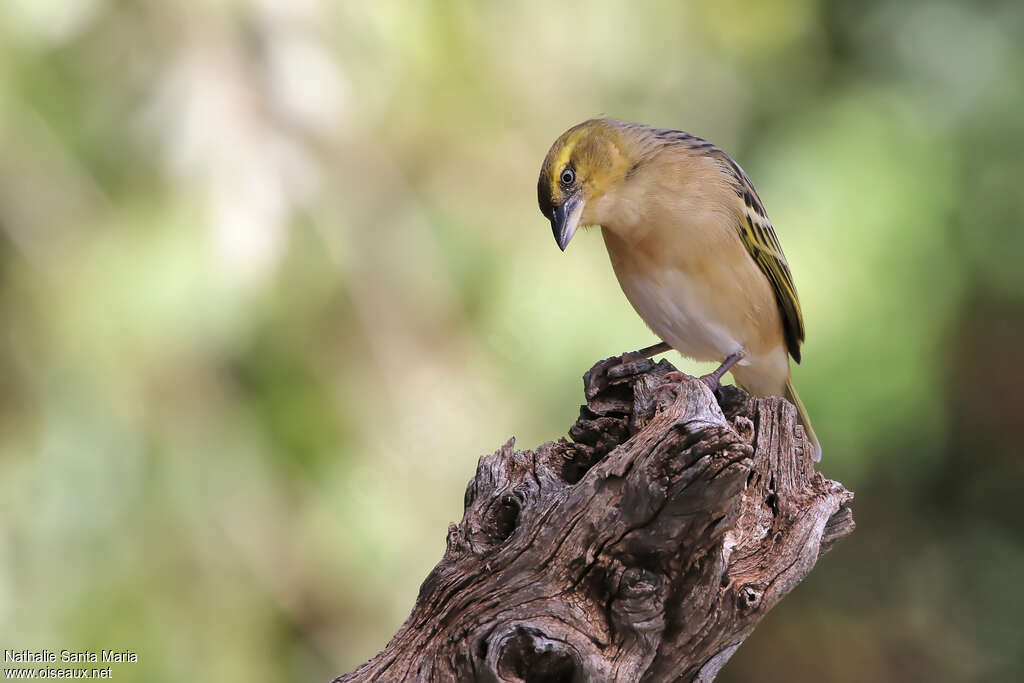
566,218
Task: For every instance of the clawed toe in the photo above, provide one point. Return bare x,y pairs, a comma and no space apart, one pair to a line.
629,366
670,381
712,382
630,357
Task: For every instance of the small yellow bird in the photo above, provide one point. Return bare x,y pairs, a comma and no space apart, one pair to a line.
690,243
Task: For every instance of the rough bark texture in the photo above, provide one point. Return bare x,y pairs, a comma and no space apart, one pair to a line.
645,549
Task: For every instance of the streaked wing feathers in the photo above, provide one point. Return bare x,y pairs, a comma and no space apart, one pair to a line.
759,238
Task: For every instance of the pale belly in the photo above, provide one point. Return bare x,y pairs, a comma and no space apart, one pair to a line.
708,308
680,311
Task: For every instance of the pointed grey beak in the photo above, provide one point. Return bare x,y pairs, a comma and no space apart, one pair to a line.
566,218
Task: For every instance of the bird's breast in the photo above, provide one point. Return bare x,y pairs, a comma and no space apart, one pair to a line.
704,295
677,308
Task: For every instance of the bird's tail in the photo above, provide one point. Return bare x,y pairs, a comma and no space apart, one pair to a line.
805,419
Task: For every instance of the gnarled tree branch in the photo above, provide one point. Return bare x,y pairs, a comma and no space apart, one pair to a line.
645,549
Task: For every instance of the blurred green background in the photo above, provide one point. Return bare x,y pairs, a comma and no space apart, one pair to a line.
273,277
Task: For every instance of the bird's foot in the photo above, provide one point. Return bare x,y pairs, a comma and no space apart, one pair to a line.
635,362
619,369
670,381
628,365
641,359
711,381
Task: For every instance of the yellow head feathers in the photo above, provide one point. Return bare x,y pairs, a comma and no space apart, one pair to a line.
582,163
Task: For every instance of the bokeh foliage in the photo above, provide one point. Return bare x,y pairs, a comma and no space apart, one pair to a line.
272,277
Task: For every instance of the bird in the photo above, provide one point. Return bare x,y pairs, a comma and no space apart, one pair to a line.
690,243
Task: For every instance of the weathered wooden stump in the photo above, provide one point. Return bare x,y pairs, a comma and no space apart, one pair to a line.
645,549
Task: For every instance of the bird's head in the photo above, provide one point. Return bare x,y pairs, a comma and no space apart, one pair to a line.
586,163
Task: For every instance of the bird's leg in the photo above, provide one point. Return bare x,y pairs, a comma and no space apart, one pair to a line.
714,379
646,352
618,369
654,350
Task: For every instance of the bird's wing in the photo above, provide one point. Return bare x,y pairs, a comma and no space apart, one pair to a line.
759,238
755,231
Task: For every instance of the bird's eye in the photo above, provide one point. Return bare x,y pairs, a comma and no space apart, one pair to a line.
568,177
